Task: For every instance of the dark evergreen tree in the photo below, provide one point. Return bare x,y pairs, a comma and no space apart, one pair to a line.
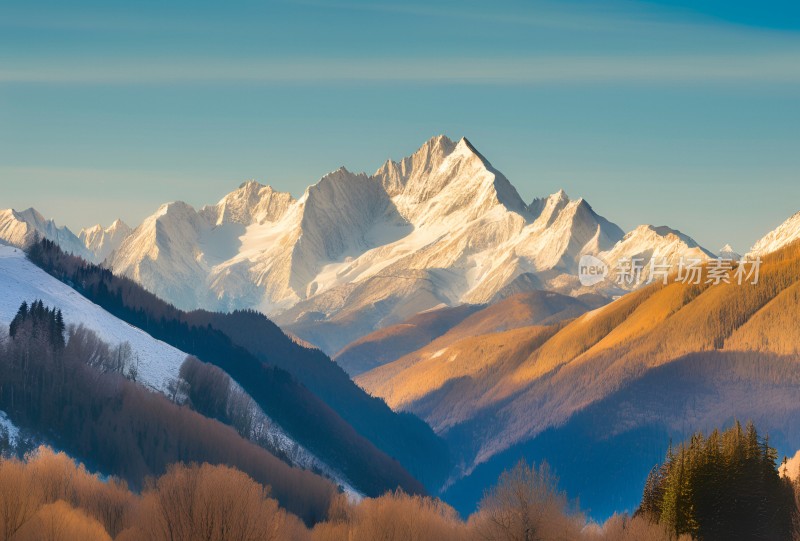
724,487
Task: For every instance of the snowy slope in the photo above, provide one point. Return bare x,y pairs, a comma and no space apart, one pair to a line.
786,233
21,280
9,427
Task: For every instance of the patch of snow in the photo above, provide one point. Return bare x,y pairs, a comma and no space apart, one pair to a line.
8,426
266,430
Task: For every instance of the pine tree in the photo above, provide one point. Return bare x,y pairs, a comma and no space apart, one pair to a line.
22,315
725,486
60,328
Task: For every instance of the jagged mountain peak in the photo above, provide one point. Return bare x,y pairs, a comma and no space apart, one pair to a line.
466,144
340,172
251,184
395,175
252,202
91,230
658,234
30,214
546,209
663,230
101,242
439,143
559,197
118,224
646,243
174,207
434,149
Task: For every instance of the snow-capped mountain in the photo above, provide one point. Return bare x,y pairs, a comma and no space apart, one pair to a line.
786,233
358,252
439,227
727,252
101,242
18,228
652,247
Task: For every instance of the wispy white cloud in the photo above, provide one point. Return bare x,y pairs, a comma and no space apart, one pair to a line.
780,67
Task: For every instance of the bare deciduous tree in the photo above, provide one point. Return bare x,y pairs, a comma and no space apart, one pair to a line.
526,505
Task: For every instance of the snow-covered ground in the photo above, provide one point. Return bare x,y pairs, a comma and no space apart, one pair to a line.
265,429
8,426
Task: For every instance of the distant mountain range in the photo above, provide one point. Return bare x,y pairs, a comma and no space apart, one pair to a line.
360,252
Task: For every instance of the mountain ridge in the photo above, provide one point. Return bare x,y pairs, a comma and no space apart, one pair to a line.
357,252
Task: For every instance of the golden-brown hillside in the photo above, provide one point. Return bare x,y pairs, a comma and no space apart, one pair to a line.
533,378
486,332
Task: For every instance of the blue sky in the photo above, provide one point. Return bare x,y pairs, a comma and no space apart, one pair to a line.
675,112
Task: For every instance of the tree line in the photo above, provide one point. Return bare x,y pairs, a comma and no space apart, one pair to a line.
47,496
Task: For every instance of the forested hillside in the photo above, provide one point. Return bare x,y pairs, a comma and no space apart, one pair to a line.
402,435
64,385
301,413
